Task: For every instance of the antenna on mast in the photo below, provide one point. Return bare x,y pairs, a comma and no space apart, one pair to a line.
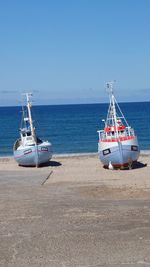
28,97
109,86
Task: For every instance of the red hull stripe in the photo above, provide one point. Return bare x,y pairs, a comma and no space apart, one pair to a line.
121,138
121,165
23,155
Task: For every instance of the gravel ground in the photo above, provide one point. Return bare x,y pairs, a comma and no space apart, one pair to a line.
74,213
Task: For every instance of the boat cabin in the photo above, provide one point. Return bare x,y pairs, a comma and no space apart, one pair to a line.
26,137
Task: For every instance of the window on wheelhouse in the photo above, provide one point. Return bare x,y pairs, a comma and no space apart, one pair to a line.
28,133
39,141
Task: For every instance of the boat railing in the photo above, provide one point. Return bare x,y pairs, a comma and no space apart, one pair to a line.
130,131
102,135
127,132
17,144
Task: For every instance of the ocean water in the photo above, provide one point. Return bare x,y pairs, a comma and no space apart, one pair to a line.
72,128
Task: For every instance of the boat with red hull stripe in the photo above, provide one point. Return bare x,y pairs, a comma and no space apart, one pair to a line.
118,144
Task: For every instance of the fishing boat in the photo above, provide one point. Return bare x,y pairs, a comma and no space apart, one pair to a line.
29,150
118,144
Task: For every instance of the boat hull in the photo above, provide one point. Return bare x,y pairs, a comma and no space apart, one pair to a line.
120,153
33,155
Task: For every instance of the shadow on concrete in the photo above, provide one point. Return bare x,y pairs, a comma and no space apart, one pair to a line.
51,163
138,165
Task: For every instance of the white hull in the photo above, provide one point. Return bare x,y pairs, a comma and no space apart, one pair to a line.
33,155
119,153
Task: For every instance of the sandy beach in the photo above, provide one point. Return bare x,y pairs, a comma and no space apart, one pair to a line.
87,169
74,213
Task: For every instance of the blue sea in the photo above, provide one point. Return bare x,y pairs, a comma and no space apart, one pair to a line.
72,128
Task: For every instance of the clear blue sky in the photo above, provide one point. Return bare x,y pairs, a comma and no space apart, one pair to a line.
65,50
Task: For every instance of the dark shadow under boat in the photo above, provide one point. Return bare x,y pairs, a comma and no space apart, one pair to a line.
51,163
133,166
47,164
139,165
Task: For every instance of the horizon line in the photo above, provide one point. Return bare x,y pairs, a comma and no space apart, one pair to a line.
67,104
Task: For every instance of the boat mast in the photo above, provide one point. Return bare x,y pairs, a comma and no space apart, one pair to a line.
28,95
112,105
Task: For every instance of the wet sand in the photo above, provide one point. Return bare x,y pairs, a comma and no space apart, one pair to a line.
74,213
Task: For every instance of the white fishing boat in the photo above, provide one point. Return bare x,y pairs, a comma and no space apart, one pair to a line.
29,150
118,144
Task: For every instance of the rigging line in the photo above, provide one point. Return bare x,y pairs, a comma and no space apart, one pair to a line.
38,125
121,113
23,114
